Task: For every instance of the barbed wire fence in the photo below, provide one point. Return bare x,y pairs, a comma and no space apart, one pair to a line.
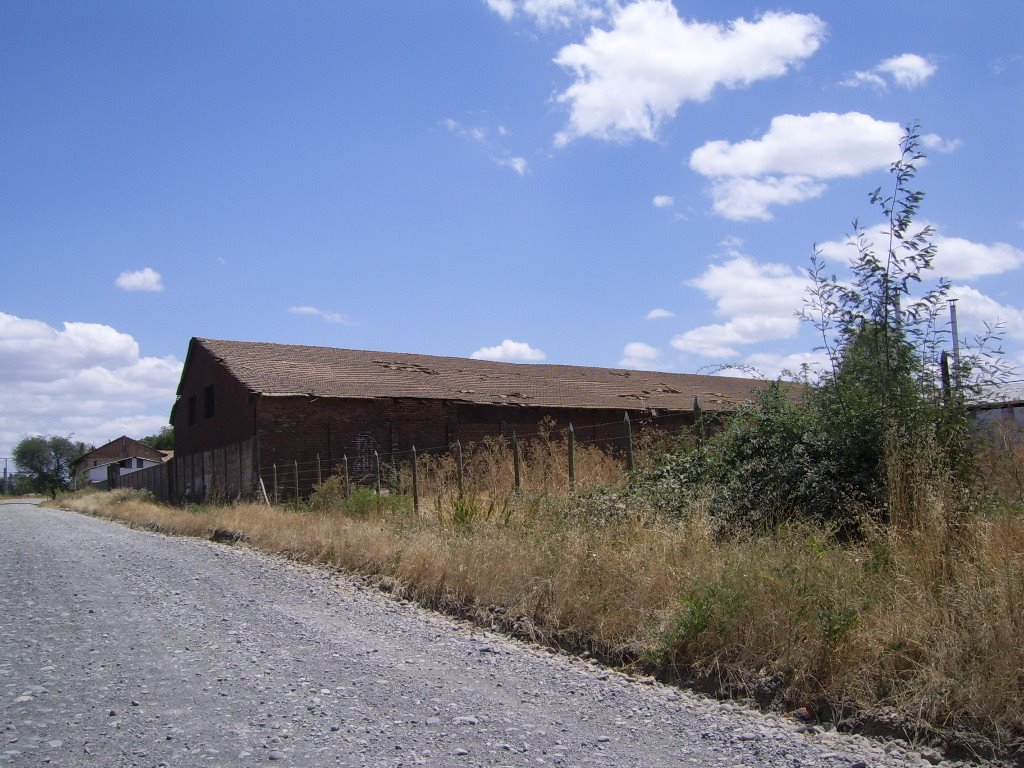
547,461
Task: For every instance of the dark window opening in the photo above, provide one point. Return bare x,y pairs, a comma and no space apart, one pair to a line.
208,402
191,410
138,463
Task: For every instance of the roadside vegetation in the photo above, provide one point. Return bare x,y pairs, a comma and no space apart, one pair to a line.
852,543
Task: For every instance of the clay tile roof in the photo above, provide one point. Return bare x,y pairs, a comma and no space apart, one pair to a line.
286,369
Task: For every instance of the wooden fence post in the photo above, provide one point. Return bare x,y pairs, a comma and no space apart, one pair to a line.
572,458
459,467
629,443
344,461
415,482
515,463
276,497
296,481
319,475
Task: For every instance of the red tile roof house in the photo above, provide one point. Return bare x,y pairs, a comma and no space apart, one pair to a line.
118,457
246,406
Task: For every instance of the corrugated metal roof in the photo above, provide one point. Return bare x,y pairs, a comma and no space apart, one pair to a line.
1000,395
286,369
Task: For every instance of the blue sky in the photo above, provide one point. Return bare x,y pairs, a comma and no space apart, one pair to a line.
576,181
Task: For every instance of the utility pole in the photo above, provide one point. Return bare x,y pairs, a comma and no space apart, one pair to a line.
6,488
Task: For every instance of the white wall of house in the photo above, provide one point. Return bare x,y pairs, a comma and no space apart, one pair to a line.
98,472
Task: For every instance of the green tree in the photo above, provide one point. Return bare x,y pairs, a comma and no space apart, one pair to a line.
46,461
878,433
896,426
162,440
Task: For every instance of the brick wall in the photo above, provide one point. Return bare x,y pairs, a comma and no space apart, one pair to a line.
301,429
232,419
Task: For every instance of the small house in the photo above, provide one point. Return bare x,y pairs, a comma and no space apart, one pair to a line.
118,457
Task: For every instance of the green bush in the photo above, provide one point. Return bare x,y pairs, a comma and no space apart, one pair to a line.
329,496
880,434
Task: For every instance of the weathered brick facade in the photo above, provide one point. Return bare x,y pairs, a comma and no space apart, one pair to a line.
302,429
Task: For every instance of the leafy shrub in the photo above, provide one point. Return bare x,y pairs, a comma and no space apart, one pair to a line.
329,496
883,434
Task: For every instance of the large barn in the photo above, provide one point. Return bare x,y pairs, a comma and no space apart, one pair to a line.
261,404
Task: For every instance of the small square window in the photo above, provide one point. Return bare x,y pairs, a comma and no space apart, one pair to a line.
138,463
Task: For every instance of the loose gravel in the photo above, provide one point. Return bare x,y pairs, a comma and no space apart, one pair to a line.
128,648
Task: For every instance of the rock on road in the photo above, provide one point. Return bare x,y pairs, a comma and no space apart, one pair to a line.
128,648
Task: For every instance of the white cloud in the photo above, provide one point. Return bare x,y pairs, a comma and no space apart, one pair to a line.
787,164
955,257
938,144
639,356
773,365
758,301
658,313
865,78
517,164
960,258
722,339
634,76
1005,63
821,145
509,350
908,70
326,316
550,13
141,280
743,199
87,379
470,133
662,201
504,8
974,310
481,136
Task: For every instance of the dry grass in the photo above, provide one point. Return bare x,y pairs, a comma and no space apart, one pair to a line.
927,620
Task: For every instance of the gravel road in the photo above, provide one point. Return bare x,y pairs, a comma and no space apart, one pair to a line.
127,648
